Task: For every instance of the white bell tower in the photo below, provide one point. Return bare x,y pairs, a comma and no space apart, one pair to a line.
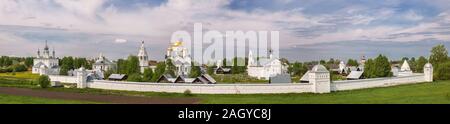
143,58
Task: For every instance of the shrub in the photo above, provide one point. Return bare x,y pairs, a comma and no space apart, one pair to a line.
188,93
441,71
44,81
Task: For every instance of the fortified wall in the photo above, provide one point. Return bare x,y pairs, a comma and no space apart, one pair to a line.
319,82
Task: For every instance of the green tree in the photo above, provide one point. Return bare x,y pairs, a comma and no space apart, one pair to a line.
135,77
148,75
420,63
44,81
439,54
170,68
133,65
29,62
379,67
352,62
195,71
159,71
369,71
441,71
121,66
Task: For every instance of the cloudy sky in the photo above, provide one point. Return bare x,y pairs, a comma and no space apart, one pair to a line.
309,29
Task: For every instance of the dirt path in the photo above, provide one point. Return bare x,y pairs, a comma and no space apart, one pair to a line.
96,98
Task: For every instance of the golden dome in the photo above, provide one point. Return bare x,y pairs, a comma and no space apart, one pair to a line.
177,44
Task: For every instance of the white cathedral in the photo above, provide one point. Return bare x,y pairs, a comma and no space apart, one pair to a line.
180,58
264,68
46,64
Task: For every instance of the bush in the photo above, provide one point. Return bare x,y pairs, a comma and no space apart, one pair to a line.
44,81
188,93
441,71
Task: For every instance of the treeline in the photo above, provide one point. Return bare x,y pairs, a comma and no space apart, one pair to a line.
15,64
70,63
441,63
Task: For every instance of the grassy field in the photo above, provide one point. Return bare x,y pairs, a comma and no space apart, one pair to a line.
434,93
9,99
20,75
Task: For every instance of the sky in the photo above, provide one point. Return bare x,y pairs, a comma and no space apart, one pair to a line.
309,29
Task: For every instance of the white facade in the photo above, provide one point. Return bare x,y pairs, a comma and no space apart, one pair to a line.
103,64
143,57
264,68
180,58
46,64
405,70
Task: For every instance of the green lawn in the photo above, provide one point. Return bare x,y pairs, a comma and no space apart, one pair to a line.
9,99
435,93
426,93
22,75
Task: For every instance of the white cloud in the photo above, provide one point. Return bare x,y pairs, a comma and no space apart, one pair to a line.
120,41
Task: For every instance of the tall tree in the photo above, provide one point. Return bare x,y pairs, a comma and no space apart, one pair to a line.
133,65
352,62
148,75
195,71
159,71
420,63
439,54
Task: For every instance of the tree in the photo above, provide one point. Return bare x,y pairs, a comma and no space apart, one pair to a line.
383,67
441,72
379,67
148,74
170,68
195,71
369,72
439,54
44,81
352,62
136,77
29,62
420,63
413,64
133,65
159,71
122,66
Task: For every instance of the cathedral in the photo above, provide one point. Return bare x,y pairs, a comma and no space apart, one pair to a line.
46,64
264,68
180,58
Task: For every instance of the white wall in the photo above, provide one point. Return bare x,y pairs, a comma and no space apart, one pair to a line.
203,88
63,79
376,82
241,88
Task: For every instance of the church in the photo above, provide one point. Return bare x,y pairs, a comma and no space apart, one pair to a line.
264,68
46,64
180,58
103,64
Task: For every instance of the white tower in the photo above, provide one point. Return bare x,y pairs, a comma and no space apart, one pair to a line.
428,72
81,78
319,76
143,57
251,61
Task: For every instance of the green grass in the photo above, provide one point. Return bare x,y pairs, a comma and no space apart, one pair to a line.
433,93
21,75
9,99
425,93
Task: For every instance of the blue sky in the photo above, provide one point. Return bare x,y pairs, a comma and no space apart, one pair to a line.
115,27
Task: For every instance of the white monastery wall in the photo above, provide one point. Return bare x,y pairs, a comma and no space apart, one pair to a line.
376,82
63,79
202,88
